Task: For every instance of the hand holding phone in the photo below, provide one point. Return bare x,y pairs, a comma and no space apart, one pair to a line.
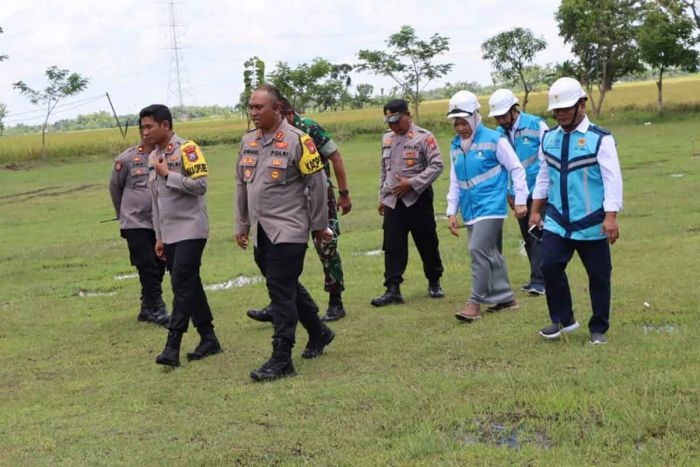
535,231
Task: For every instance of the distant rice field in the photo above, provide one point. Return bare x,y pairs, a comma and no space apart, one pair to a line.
635,100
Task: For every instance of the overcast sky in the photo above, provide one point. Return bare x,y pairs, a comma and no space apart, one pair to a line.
123,46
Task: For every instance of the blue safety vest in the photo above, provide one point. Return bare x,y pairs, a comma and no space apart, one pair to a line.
526,145
482,180
576,193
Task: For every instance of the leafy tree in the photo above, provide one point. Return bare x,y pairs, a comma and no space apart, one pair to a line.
666,40
3,114
363,95
253,77
511,52
298,84
2,57
409,62
62,84
692,6
602,37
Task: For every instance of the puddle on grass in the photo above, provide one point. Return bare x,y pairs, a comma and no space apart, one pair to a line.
87,293
681,175
368,253
498,434
659,329
123,277
240,281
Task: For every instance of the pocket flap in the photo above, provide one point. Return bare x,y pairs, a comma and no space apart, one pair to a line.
278,162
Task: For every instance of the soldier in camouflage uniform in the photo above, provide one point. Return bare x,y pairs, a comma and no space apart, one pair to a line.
327,253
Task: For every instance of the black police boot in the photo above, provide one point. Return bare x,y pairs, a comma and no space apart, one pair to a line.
334,312
160,313
208,344
434,290
314,348
392,295
171,354
263,315
146,312
278,366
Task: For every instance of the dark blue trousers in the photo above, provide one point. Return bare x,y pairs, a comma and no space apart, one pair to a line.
556,253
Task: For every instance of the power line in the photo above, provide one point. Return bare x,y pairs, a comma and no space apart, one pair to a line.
67,107
91,98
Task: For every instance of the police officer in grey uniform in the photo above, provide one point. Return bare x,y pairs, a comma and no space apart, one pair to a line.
410,163
280,198
131,197
178,180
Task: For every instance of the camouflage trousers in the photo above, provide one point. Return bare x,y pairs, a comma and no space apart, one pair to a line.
328,252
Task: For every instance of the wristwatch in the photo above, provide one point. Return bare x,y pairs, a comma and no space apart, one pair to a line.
344,192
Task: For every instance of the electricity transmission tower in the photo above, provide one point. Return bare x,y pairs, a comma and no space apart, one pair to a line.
176,74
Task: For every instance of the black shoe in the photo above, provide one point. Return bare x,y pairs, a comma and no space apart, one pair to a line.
171,354
435,291
334,313
314,348
208,345
392,295
160,315
273,369
264,315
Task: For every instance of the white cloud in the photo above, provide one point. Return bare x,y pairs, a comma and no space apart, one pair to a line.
123,45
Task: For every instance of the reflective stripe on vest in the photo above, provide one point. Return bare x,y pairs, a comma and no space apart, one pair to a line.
474,181
481,178
576,193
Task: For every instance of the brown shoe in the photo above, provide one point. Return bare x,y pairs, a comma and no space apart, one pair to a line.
511,305
470,313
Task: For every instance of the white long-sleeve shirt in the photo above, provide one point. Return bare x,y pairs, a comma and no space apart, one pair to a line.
509,160
609,168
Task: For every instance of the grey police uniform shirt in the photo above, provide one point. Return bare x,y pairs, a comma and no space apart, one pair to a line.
414,155
179,201
280,185
128,187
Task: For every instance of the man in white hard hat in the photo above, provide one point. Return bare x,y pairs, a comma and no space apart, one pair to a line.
482,160
524,132
580,184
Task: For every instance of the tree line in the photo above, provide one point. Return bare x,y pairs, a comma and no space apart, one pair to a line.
610,40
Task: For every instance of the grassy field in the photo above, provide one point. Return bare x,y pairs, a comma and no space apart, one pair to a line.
628,102
406,385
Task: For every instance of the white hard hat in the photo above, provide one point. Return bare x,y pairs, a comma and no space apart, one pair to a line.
501,102
463,104
565,93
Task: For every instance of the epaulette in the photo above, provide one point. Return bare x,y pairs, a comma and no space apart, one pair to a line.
296,130
601,131
422,130
251,131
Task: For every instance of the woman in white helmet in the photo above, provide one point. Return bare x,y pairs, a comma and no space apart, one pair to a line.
481,162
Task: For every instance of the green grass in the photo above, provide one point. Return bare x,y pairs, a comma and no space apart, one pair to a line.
406,385
627,102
